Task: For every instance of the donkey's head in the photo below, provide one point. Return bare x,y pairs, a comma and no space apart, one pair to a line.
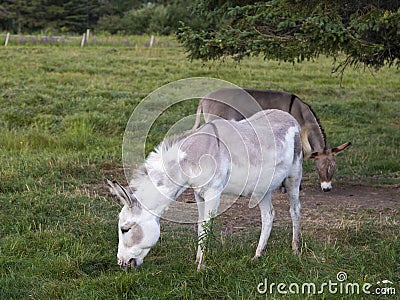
138,229
325,164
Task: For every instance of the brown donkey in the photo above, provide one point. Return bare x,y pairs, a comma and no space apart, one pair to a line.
237,104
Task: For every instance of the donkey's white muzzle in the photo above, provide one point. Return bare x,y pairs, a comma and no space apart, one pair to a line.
131,263
326,186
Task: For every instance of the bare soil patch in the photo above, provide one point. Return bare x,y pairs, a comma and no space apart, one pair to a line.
344,206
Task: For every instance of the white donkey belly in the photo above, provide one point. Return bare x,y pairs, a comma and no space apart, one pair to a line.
255,180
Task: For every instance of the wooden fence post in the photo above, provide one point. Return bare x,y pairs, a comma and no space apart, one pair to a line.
83,40
7,39
152,41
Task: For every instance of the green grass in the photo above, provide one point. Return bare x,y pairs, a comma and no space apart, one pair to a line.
63,114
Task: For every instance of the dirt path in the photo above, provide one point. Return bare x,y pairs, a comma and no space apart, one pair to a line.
344,206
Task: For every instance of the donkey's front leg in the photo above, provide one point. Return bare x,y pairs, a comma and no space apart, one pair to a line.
200,231
207,210
267,217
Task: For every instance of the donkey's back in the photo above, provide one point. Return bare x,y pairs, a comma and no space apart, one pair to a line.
236,104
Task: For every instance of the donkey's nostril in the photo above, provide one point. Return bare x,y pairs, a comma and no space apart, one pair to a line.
132,263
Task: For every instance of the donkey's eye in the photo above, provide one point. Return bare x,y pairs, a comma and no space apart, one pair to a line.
125,230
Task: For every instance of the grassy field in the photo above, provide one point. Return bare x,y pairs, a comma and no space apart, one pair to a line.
63,114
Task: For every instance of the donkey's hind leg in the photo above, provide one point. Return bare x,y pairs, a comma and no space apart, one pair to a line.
267,217
293,187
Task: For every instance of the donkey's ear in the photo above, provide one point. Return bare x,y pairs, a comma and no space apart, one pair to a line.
118,190
340,148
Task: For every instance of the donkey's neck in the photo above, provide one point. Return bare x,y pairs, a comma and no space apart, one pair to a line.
313,135
162,180
313,139
156,194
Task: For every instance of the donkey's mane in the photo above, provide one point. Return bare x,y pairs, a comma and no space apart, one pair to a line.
168,143
154,165
171,141
317,120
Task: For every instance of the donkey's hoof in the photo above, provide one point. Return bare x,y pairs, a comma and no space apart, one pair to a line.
283,190
296,252
201,267
255,257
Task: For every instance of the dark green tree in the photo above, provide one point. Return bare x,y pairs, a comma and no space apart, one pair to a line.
57,15
160,17
366,32
14,14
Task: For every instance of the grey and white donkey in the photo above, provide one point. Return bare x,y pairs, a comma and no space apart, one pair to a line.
250,157
236,104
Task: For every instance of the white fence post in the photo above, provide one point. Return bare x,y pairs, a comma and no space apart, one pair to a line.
7,39
87,34
152,41
83,40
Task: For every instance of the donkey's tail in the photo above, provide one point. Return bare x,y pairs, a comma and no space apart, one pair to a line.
198,116
305,143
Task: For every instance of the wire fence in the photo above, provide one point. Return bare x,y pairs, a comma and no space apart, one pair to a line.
87,39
